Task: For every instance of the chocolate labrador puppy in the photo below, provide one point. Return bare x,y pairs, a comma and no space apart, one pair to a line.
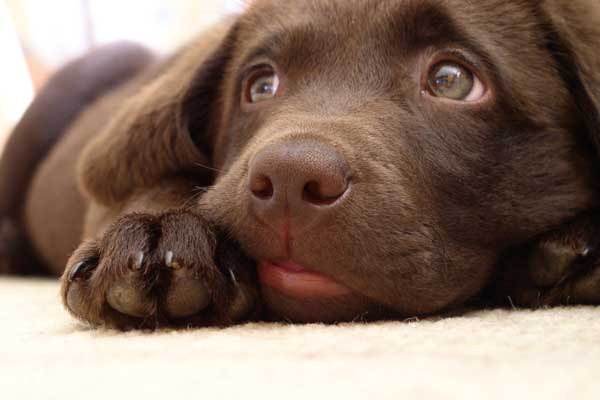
319,160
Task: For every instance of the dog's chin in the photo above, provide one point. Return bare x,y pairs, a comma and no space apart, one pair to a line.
294,293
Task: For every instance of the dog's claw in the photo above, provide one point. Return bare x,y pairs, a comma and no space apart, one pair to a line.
76,271
233,278
170,262
586,252
169,259
138,262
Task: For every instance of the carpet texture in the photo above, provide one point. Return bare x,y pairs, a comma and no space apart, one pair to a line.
550,354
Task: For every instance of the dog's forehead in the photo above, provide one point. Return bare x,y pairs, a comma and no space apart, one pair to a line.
334,26
357,15
352,17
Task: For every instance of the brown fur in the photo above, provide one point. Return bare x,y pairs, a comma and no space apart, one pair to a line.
439,191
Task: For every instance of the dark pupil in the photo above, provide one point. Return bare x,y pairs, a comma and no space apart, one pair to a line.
452,81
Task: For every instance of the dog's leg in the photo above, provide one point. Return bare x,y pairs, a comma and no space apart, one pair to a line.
59,103
160,264
15,255
559,268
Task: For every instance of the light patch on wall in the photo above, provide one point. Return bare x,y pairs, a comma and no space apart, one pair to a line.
16,89
236,6
55,31
160,25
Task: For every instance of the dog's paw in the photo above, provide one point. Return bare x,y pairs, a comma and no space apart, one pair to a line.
559,268
160,271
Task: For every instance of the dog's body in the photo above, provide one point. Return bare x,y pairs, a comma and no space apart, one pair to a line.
310,138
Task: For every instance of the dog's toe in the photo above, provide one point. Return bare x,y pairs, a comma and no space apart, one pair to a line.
551,260
243,302
130,294
75,299
587,288
129,297
76,281
187,294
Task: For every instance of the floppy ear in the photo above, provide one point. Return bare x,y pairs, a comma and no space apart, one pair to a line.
164,128
575,43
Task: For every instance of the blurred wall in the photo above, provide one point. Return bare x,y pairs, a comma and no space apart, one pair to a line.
16,90
50,32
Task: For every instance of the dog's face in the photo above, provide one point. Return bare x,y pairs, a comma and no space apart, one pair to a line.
397,147
379,156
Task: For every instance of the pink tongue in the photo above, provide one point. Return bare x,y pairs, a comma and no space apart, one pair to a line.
297,281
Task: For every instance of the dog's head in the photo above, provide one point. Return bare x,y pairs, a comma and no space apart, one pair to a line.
394,146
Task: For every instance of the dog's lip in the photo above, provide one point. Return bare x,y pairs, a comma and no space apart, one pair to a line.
294,280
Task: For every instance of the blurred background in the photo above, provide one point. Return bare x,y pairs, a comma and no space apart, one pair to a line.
38,36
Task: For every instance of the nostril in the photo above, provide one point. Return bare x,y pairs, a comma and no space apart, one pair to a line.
262,187
315,193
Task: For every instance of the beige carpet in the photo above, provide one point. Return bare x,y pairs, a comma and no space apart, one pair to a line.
44,354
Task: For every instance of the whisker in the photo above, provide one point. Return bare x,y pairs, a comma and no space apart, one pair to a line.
195,196
207,167
202,189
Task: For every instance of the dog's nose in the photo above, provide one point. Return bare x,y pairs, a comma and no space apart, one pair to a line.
297,182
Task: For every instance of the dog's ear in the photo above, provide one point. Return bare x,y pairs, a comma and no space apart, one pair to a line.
164,127
574,27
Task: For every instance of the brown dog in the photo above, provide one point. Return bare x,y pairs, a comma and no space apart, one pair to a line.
319,160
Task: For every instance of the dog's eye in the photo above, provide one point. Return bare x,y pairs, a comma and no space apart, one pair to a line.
262,85
452,81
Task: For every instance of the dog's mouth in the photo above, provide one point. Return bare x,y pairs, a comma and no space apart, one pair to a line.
296,293
297,281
